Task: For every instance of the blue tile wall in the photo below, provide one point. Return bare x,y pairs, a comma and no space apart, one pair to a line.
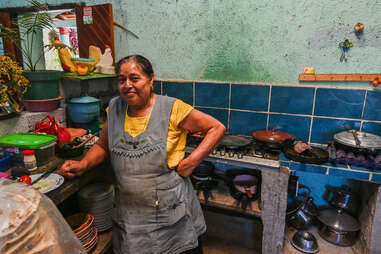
339,102
182,91
296,125
372,127
246,122
212,95
349,174
376,178
157,87
250,97
308,168
296,100
372,109
220,114
323,129
244,107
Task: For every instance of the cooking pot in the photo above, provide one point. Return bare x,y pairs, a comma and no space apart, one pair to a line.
273,139
83,109
302,215
338,227
301,211
343,198
358,142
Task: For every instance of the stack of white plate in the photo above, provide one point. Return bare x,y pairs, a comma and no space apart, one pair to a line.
98,199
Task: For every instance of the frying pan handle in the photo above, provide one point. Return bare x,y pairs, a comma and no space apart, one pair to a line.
244,202
248,192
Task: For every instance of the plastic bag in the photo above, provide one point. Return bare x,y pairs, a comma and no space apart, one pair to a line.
31,223
49,126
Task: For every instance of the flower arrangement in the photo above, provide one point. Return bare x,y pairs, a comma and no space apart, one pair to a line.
12,84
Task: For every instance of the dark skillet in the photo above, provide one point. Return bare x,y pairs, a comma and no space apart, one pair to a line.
314,156
234,142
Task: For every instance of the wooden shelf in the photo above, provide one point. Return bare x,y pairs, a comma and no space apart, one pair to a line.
74,76
339,77
223,200
103,244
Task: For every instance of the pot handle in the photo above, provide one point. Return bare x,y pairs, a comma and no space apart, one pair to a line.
244,202
302,186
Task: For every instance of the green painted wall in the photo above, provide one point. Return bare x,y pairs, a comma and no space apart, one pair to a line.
247,40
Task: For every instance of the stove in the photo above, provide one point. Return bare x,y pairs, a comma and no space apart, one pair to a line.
239,150
247,157
204,185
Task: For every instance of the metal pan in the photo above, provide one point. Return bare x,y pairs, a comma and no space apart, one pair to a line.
273,139
315,156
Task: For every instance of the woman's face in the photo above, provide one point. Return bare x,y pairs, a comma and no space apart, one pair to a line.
134,86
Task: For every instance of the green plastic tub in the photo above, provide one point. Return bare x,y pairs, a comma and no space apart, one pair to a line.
43,144
44,85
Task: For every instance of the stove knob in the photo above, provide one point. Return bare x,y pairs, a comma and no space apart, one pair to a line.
240,155
231,154
222,152
214,151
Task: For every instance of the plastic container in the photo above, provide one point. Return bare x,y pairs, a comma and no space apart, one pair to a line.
46,105
5,162
30,161
44,85
43,144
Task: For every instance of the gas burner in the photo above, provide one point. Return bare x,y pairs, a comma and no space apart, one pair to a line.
204,185
244,194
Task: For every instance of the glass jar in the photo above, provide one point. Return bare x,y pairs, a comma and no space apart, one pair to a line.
30,161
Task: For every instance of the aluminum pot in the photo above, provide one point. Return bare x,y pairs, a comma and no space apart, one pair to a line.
358,142
344,198
301,214
338,227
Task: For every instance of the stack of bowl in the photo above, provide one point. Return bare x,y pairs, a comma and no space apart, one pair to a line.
83,227
98,199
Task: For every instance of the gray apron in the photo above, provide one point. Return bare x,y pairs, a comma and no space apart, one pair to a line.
156,210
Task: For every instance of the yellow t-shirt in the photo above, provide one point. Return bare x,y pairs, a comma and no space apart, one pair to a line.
176,136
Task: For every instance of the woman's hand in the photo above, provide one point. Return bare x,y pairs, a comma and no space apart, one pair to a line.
186,167
72,168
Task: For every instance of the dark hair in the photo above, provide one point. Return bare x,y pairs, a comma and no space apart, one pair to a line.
143,62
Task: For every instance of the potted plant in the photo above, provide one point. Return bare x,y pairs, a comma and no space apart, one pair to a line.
44,83
12,85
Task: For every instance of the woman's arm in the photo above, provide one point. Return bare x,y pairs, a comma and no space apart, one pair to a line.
96,155
197,121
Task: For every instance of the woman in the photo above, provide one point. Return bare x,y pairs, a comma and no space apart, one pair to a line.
156,209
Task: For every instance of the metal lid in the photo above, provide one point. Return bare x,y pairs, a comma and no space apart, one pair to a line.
358,139
84,99
339,220
305,242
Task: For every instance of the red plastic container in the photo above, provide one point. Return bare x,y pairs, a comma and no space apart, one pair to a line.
42,105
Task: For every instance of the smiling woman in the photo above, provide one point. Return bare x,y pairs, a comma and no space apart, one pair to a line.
157,210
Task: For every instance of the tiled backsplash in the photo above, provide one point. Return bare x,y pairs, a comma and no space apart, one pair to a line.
312,114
